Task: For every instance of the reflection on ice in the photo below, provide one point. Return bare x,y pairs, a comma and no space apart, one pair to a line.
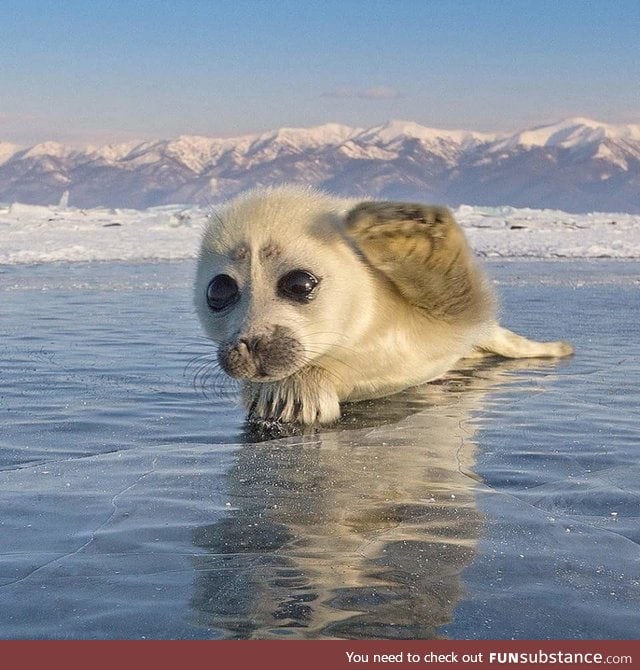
355,533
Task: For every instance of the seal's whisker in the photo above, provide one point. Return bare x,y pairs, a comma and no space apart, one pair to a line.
208,378
336,359
332,344
197,344
334,374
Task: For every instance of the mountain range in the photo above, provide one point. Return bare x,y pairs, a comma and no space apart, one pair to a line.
577,165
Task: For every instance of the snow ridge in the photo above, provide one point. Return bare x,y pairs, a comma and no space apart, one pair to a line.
39,234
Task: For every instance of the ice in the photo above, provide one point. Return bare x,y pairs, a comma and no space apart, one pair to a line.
517,233
39,234
501,502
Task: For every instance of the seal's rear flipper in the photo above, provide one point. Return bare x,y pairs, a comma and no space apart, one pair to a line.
508,344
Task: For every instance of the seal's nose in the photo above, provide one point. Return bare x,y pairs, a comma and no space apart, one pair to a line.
248,345
243,345
260,355
236,358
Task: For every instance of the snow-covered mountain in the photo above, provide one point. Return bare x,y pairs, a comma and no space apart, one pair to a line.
577,165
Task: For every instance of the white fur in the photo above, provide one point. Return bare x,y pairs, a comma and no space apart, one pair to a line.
361,338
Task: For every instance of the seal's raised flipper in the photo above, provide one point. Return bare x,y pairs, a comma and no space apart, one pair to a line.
423,252
503,342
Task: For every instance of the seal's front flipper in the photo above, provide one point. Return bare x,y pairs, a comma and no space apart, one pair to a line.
503,342
423,252
306,397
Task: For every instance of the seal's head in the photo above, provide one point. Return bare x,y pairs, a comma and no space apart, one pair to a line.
273,282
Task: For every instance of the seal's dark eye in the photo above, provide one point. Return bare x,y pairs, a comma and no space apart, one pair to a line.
222,292
298,285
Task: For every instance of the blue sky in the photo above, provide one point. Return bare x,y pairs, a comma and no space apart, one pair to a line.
98,70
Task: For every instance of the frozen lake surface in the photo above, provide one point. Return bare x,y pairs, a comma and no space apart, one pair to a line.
501,502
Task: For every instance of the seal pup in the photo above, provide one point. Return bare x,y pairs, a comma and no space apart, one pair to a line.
314,300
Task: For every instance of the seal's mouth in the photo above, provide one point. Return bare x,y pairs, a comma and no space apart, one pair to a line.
262,358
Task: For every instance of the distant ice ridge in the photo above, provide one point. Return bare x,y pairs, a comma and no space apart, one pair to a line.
44,234
41,234
511,232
